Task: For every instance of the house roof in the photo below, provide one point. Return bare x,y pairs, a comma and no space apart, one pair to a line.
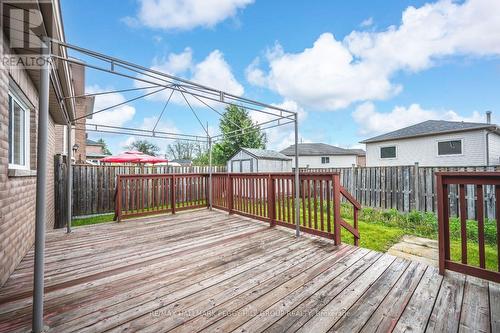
265,154
93,143
316,149
431,127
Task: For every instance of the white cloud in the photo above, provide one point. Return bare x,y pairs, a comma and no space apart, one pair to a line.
333,73
114,117
163,126
282,136
372,122
213,71
186,14
366,23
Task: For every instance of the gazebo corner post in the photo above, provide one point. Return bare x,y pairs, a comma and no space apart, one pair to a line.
69,179
297,177
209,138
41,185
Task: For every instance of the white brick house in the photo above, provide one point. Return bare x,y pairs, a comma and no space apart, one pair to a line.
436,143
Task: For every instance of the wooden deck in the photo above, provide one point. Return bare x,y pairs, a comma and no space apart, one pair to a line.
208,271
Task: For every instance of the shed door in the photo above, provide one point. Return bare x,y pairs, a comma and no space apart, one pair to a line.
235,166
246,166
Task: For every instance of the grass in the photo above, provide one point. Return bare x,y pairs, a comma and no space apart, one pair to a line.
95,219
380,230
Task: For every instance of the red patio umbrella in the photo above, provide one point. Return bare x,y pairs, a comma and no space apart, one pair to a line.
133,157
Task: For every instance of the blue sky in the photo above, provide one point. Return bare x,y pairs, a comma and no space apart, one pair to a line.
352,69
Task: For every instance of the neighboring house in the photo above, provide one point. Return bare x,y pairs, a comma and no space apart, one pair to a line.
259,160
18,135
94,151
436,143
322,155
180,162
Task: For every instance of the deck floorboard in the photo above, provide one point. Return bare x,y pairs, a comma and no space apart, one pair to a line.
209,271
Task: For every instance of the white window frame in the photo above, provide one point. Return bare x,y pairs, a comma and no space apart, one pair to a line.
447,140
326,158
27,114
388,158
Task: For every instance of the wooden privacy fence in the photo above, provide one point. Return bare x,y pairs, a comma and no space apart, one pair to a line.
407,188
138,195
270,198
463,181
94,185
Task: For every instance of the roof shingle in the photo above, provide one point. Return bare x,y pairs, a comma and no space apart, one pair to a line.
316,149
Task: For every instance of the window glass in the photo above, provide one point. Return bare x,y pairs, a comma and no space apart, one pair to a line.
451,147
388,152
325,160
17,133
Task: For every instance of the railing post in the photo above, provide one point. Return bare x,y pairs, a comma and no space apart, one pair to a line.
172,194
441,201
271,204
336,210
355,220
230,197
119,199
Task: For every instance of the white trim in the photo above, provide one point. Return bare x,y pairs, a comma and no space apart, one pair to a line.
388,158
27,133
447,140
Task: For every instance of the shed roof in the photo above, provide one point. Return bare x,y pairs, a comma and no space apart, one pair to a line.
265,154
316,149
431,127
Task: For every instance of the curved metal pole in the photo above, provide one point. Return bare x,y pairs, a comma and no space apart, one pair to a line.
69,178
210,173
41,185
297,178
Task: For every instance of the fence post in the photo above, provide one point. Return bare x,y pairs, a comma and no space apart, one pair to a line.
271,204
416,187
336,209
230,193
172,194
351,187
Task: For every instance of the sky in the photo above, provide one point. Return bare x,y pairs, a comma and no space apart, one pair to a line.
351,69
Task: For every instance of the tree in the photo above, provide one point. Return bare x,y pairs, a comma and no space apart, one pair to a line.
236,134
183,150
144,146
104,146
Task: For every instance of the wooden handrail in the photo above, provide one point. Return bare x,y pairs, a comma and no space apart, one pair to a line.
267,197
468,183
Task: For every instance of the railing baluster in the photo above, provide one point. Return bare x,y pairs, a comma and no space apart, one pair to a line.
287,182
480,225
497,217
463,222
321,205
328,207
309,203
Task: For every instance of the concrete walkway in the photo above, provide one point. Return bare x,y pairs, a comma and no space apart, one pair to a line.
417,249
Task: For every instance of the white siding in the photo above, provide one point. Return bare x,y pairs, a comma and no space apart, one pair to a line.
424,150
494,143
243,162
336,161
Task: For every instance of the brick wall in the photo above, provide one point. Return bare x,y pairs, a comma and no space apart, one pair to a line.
17,194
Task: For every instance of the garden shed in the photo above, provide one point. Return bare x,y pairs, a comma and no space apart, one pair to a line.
259,160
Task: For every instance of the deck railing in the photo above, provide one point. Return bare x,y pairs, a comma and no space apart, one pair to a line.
468,183
270,198
266,197
138,195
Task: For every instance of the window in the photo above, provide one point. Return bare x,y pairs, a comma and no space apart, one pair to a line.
325,160
18,134
452,147
388,152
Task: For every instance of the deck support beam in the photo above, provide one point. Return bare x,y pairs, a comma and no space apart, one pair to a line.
41,185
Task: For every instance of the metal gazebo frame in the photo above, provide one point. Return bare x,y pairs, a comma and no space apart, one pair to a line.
156,81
